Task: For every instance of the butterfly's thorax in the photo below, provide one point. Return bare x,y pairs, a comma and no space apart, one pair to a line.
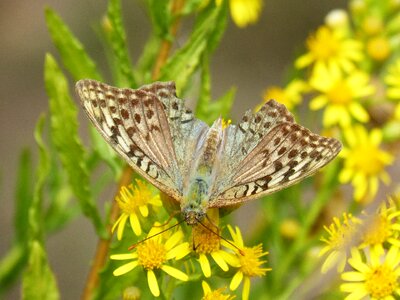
201,177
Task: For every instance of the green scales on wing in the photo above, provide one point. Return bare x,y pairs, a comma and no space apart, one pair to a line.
200,166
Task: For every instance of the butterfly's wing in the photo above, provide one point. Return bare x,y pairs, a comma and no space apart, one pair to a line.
267,152
145,127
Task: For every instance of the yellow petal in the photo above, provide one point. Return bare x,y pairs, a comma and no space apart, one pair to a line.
121,226
125,268
206,287
144,210
179,251
175,273
124,256
246,288
218,258
205,265
134,221
236,280
153,284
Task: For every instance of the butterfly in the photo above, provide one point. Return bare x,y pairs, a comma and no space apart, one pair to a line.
203,167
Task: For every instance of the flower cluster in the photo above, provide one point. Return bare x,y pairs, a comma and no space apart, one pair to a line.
350,71
168,249
372,241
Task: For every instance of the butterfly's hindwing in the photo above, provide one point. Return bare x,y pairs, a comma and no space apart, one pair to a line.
285,153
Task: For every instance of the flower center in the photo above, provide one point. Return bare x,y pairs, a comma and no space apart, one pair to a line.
217,295
206,241
250,261
378,231
133,197
323,45
382,282
340,93
366,159
151,254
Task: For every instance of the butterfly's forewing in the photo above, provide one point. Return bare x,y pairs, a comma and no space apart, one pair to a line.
136,123
267,152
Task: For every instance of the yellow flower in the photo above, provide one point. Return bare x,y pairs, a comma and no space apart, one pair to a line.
392,79
290,96
364,162
377,278
153,254
249,263
132,201
214,294
378,48
331,51
208,243
383,227
245,12
340,95
341,235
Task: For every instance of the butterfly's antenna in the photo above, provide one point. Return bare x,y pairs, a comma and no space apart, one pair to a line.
221,237
169,219
154,235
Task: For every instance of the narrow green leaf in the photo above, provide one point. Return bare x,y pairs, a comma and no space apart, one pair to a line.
144,66
35,216
11,265
38,280
64,133
106,153
185,61
23,196
116,37
72,52
161,18
206,109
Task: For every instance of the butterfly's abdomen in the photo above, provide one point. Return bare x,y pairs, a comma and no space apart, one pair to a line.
197,192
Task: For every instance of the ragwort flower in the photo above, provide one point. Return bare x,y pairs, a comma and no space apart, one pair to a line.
377,278
250,263
364,162
209,243
153,254
331,51
340,95
340,235
383,227
290,96
132,201
214,294
245,12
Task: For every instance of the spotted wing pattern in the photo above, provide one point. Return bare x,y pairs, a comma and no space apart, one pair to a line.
267,152
145,126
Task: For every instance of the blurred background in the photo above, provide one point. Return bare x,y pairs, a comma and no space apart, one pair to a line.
250,59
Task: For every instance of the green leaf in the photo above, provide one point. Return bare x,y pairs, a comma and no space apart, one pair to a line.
106,153
38,280
161,18
72,52
116,36
64,133
23,196
185,61
11,265
144,66
36,209
206,109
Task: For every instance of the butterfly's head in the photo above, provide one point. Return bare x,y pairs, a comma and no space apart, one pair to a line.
192,214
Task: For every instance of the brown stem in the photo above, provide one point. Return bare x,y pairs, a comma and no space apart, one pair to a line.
103,245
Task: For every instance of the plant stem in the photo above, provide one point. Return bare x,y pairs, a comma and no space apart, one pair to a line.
103,245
